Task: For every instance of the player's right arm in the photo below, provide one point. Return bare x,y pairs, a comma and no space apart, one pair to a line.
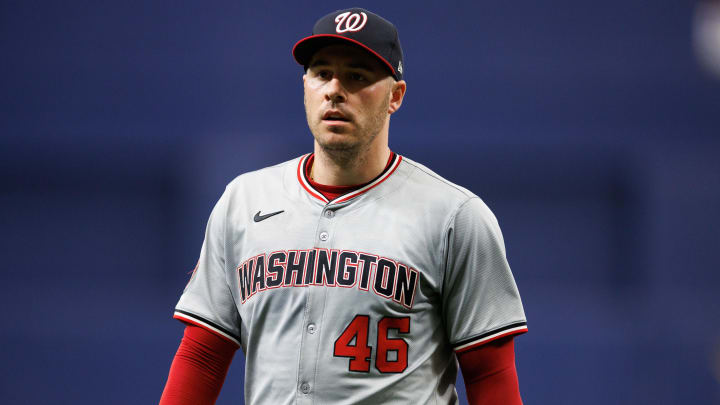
198,369
207,307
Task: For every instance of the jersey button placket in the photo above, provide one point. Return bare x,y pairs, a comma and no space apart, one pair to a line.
311,348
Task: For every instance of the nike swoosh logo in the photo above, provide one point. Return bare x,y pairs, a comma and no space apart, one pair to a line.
259,217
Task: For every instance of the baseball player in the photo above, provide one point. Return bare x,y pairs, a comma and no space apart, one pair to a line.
350,275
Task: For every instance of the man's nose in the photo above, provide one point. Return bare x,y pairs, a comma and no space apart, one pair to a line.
335,91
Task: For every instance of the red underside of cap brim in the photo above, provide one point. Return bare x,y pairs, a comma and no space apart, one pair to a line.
306,47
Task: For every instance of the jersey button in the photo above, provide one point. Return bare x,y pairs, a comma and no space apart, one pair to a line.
305,388
329,214
311,328
324,236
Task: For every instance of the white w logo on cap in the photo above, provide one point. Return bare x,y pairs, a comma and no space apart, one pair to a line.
352,22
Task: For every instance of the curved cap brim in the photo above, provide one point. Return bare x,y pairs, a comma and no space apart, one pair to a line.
305,48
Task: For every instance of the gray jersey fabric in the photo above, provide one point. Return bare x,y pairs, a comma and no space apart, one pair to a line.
360,300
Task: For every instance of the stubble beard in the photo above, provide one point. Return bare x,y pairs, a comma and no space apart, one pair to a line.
352,151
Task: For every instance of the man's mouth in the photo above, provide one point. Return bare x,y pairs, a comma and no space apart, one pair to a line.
335,116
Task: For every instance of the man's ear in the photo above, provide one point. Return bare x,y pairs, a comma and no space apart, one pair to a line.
397,93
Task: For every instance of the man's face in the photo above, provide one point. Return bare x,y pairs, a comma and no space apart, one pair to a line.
348,96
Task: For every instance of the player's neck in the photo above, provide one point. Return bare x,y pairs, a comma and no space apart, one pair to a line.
346,172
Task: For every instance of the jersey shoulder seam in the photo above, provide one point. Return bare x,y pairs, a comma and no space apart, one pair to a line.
446,229
438,178
461,199
263,169
469,195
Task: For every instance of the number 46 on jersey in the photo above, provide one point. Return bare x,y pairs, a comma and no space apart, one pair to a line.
392,353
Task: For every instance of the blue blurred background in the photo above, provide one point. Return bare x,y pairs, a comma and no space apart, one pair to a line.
591,128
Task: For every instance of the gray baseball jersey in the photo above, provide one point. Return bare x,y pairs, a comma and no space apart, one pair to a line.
361,300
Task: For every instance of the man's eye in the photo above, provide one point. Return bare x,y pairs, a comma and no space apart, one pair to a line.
324,74
357,76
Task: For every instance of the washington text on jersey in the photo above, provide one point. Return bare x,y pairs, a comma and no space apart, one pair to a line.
330,268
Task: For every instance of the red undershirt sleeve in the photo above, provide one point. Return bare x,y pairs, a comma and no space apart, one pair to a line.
198,369
489,373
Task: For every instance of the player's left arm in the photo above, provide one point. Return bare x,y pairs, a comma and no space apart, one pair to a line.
482,306
489,373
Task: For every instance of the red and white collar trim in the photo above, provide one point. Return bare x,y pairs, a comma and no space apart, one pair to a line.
302,178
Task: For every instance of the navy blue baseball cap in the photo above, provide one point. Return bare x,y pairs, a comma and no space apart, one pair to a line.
358,27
